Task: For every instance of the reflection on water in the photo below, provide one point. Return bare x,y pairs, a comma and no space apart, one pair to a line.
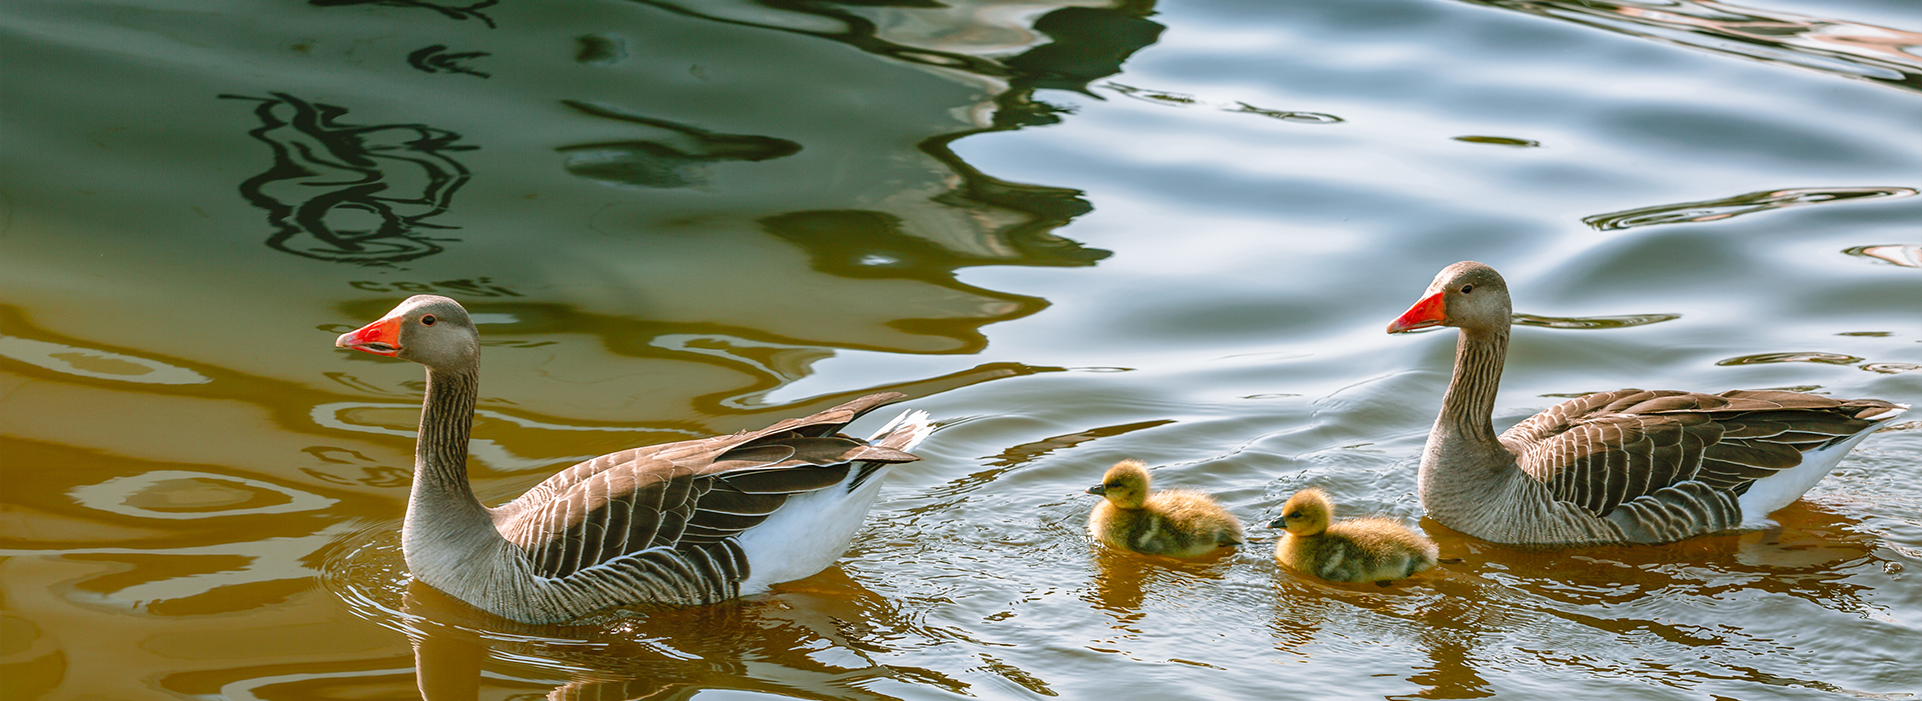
1500,141
448,9
94,363
846,24
1851,49
1289,115
1727,207
351,193
1173,99
676,156
437,59
1829,358
1909,256
1591,322
815,639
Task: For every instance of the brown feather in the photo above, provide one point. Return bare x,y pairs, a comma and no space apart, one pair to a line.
1602,450
684,496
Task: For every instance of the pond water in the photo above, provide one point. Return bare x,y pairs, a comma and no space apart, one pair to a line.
1075,232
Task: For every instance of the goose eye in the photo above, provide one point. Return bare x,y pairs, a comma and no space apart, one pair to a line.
427,320
1467,289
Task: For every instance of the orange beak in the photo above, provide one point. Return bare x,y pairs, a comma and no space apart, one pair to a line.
380,338
1431,311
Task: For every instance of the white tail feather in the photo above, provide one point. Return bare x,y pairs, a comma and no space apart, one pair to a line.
1775,491
914,422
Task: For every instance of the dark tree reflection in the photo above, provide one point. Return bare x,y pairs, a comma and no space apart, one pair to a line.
351,193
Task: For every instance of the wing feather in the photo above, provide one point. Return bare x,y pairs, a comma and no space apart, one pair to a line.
1603,450
670,510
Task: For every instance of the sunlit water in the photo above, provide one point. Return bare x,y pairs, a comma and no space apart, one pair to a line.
1074,233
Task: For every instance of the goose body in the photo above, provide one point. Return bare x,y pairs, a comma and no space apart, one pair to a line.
1173,522
690,522
1637,466
1370,549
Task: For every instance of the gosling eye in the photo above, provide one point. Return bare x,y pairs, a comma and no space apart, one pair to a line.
427,320
1467,289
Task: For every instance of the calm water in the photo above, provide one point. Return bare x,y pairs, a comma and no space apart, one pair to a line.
1073,232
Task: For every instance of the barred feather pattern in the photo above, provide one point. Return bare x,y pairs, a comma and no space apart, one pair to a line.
1664,464
657,524
1632,465
1625,466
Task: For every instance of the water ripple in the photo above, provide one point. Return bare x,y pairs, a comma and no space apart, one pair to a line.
1849,49
1288,115
1809,357
1891,368
1592,322
1175,99
1716,210
1501,141
180,494
97,364
1905,256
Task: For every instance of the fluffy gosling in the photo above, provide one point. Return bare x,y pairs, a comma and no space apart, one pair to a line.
1371,549
1174,522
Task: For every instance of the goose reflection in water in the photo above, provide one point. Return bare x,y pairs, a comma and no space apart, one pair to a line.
816,637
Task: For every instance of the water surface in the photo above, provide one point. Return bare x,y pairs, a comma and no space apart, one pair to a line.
1074,232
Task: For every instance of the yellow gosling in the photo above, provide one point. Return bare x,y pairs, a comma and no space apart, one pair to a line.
1358,550
1175,522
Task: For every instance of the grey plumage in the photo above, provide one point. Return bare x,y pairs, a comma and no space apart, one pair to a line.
667,523
1625,466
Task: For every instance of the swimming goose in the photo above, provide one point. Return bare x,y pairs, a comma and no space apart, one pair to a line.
690,522
1174,522
1639,466
1371,549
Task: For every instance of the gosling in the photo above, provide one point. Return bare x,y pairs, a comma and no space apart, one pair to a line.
1174,522
1371,549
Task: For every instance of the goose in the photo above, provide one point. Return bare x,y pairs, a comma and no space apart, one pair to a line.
1628,466
1371,549
690,522
1173,522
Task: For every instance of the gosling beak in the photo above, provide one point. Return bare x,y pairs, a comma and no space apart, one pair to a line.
1431,311
1278,523
1098,490
380,338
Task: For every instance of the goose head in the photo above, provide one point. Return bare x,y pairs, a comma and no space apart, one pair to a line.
427,329
1307,513
1125,485
1466,295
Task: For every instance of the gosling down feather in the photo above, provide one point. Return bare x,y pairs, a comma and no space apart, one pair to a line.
1628,466
1370,549
690,522
1174,522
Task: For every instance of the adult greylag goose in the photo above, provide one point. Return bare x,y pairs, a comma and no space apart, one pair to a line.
1635,466
1372,549
1172,522
689,522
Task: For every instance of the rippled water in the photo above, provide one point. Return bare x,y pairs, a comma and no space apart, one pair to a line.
1073,232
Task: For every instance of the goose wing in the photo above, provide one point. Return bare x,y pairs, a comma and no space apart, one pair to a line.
694,453
668,512
1603,450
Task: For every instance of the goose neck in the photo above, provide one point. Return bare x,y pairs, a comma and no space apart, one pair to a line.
1469,406
440,450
